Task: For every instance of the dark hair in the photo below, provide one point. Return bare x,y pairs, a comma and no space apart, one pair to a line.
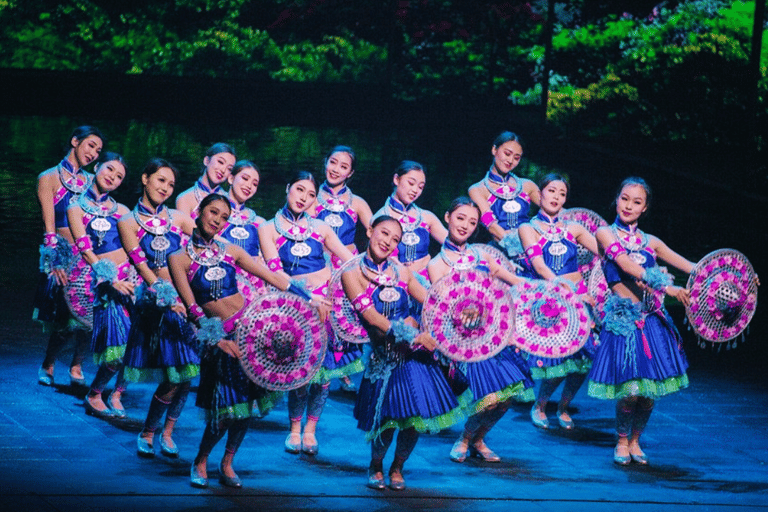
208,200
244,164
111,156
505,137
462,201
220,147
302,175
341,149
383,218
634,180
553,176
155,164
407,166
85,131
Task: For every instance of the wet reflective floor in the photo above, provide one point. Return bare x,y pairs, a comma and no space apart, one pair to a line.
708,447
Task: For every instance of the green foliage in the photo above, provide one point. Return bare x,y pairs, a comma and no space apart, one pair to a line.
335,59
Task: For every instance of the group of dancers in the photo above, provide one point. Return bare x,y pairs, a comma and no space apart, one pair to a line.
166,287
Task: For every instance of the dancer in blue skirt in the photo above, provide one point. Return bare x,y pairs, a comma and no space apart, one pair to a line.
93,220
342,210
641,355
204,273
504,198
497,381
161,345
57,188
551,250
404,388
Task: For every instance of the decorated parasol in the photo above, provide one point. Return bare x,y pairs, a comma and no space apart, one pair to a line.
282,341
550,321
343,318
723,295
469,293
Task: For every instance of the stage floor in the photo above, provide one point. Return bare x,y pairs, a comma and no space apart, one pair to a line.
708,447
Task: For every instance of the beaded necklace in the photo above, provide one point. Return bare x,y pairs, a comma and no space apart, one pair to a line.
403,214
77,182
554,233
210,256
295,232
377,274
334,203
631,238
156,226
200,190
502,188
467,257
99,208
241,216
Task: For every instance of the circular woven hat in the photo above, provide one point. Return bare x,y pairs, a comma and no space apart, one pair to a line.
590,220
343,317
79,291
282,341
550,321
469,291
498,256
723,295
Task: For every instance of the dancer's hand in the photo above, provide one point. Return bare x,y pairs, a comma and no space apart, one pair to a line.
470,318
425,340
681,294
61,276
123,287
229,347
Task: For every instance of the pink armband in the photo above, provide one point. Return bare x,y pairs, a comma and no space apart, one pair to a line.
83,243
614,250
488,218
533,251
49,240
195,312
275,264
137,255
361,302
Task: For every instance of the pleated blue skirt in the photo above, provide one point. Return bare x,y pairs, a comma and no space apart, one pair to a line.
161,346
225,391
417,394
506,375
111,324
648,362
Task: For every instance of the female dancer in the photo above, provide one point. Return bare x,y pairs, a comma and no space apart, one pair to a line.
341,209
57,187
203,272
495,382
418,224
641,356
217,164
551,251
93,220
404,387
504,198
161,345
243,223
294,243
